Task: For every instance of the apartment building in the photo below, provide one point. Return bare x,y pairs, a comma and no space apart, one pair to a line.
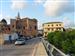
51,27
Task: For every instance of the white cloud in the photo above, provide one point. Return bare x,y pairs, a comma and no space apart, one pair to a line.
58,7
7,18
18,4
39,25
68,22
39,1
1,16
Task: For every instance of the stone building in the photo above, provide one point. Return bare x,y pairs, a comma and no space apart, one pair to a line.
4,28
51,27
24,26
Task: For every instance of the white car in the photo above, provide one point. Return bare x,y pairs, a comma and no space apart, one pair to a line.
20,41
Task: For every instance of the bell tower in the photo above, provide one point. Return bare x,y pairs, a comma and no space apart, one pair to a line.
18,16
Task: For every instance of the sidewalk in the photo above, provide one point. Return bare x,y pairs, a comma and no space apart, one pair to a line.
40,50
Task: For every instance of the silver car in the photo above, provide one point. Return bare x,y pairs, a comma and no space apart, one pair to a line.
20,41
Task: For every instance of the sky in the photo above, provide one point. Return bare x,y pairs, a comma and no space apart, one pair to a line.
43,10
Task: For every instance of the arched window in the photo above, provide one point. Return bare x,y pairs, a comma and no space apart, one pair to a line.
18,25
35,27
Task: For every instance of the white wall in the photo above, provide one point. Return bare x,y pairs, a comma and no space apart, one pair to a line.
13,36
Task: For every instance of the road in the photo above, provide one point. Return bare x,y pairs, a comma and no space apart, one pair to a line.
23,50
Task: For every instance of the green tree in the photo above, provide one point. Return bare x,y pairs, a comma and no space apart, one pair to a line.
66,46
50,37
63,40
57,39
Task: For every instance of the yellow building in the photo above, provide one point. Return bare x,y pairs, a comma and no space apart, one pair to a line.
51,27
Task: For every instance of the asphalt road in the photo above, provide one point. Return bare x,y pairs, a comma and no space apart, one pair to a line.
23,50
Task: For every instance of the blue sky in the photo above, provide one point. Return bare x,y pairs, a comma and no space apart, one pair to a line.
44,10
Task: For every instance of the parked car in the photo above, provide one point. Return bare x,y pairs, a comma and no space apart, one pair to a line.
40,37
27,38
20,42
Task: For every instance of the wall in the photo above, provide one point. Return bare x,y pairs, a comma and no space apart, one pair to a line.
5,37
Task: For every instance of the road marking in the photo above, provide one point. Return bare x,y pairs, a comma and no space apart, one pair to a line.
34,50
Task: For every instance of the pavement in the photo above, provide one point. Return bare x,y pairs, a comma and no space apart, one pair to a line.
33,47
40,50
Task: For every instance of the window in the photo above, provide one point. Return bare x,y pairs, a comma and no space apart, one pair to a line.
59,28
56,24
18,27
52,24
6,29
12,26
45,36
23,27
35,27
52,29
59,24
56,28
45,32
9,29
48,28
48,25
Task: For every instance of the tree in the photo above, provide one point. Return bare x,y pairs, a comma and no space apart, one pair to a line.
50,37
66,46
65,41
58,38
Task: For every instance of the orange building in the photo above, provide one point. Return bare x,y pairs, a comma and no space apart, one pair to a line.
24,26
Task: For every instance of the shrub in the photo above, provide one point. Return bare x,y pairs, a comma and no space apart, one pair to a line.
63,40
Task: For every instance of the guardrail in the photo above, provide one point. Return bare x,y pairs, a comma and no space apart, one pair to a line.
52,50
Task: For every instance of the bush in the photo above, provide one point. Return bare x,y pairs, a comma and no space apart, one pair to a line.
63,40
50,37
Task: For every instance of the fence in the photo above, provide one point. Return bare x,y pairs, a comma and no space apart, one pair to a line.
52,50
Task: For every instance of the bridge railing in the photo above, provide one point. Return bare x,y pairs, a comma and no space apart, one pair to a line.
52,50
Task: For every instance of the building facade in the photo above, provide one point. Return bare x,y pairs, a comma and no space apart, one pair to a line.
24,26
4,27
51,27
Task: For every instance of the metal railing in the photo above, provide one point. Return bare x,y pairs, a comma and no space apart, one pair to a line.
52,50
